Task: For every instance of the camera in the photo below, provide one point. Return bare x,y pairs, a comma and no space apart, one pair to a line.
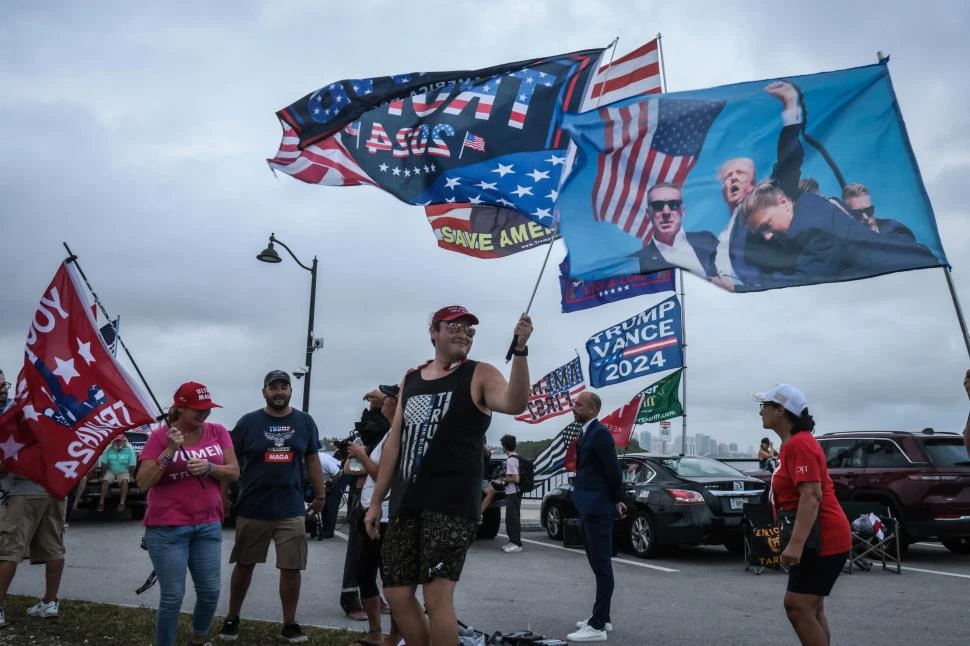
341,451
301,372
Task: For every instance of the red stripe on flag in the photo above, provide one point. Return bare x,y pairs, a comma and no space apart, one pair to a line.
640,349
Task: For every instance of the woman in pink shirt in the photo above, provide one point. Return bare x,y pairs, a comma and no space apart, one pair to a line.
184,467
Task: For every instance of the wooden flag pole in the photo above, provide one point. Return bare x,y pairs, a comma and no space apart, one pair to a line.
555,230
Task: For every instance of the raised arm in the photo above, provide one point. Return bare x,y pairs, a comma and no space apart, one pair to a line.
788,169
512,396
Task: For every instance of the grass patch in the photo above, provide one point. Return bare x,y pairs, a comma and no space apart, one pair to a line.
86,622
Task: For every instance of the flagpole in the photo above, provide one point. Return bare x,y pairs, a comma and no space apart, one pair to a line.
957,308
555,230
71,257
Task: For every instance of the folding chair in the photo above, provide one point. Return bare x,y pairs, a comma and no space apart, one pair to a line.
868,549
761,539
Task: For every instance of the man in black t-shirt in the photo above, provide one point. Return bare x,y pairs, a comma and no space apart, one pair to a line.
272,445
432,465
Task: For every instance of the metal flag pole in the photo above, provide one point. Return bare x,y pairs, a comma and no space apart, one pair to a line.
957,308
555,230
683,294
71,257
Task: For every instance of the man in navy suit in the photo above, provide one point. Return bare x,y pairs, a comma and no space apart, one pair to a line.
821,243
597,490
671,245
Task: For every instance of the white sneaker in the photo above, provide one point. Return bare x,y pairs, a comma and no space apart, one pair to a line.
608,627
587,634
43,609
512,547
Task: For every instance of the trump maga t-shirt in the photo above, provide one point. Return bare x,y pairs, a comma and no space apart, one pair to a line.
802,460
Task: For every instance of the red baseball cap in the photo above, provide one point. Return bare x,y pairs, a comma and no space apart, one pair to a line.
451,313
194,395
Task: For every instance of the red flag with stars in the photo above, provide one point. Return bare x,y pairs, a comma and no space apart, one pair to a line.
72,396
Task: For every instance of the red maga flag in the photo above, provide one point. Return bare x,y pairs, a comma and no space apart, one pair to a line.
620,422
72,395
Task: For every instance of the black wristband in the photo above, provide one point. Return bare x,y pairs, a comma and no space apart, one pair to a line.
524,352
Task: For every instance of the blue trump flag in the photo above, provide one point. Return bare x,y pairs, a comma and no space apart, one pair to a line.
752,186
489,136
583,294
642,345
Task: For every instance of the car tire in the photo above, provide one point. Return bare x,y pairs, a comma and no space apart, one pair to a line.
554,522
959,545
642,536
488,528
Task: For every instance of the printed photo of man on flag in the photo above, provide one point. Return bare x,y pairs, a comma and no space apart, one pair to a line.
674,182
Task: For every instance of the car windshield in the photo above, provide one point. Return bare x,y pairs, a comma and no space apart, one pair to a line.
692,467
947,453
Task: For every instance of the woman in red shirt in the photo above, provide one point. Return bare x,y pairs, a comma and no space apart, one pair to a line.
820,535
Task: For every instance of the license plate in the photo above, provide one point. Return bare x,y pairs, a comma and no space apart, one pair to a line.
738,503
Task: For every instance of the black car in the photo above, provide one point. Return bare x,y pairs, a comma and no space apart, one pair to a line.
671,500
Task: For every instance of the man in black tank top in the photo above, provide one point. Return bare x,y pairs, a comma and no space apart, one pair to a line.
432,466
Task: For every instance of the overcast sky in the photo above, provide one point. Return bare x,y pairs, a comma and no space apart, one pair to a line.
138,133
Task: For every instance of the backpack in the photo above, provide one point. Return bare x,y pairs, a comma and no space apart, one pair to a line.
527,474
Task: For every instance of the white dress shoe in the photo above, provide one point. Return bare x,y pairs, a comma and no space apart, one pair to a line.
587,634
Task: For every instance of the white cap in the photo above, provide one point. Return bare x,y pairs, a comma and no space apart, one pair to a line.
785,394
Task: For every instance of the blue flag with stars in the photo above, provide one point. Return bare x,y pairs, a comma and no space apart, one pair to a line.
489,136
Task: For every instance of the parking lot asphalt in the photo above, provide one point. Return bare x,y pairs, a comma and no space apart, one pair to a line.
699,595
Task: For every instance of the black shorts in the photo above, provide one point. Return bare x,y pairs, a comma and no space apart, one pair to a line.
419,549
816,574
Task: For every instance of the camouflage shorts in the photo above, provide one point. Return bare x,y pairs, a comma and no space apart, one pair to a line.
418,549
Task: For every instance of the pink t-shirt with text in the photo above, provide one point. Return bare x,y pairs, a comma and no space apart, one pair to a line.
180,498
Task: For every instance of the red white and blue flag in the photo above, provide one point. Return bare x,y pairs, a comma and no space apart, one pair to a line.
554,394
474,142
72,396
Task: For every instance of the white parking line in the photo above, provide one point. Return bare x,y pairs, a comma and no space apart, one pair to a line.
616,559
917,569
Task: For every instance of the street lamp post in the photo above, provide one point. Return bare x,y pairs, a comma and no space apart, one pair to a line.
270,255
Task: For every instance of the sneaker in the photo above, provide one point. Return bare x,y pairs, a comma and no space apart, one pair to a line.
587,634
511,548
293,633
43,609
230,629
608,627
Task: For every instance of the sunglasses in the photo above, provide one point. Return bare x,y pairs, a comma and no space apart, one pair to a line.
761,408
658,205
868,211
454,327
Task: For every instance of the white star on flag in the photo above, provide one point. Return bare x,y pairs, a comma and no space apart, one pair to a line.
452,182
503,169
522,190
556,160
31,413
65,369
84,349
537,174
10,448
383,168
475,200
553,194
486,186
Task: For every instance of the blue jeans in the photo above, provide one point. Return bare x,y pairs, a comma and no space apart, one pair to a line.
173,549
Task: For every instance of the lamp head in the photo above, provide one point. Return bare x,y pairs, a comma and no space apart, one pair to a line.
269,254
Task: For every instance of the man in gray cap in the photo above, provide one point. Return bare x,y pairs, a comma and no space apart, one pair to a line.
272,445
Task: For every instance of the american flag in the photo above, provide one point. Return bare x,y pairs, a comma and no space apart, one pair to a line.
636,74
553,460
653,141
353,128
474,142
109,333
548,397
327,162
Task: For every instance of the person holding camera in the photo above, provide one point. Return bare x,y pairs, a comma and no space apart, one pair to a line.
273,444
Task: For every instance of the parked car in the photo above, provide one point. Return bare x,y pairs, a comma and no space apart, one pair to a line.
492,517
671,500
136,502
923,477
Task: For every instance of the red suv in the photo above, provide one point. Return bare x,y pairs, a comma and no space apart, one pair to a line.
924,477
